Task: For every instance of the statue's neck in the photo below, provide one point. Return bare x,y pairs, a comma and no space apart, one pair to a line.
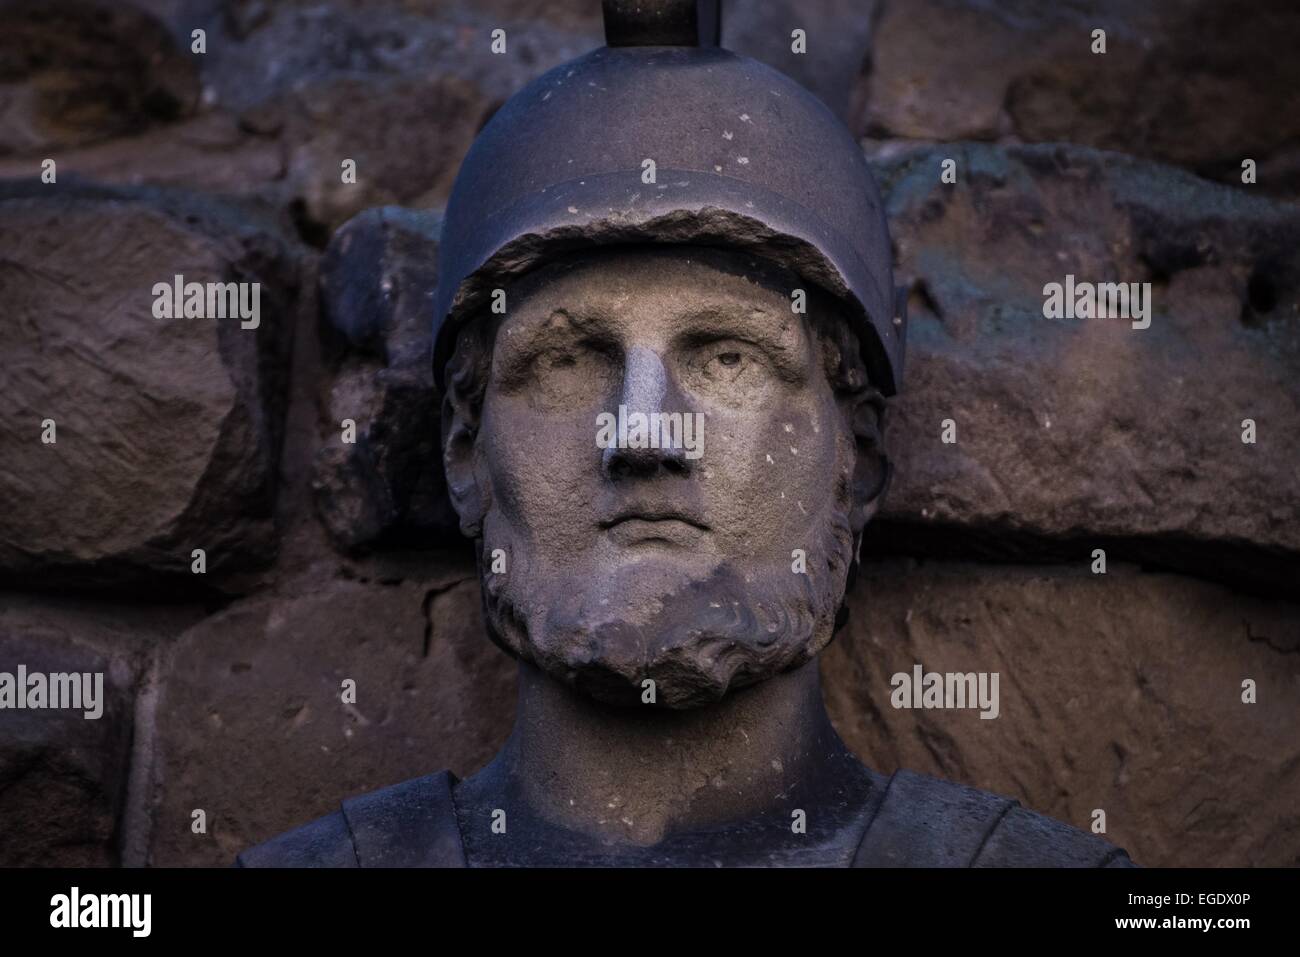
633,775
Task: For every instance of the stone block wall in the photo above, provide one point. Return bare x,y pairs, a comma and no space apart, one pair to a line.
192,444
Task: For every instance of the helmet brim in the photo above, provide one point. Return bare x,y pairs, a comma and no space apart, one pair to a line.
686,207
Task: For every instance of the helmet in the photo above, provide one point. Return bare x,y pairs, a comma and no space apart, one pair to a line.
675,142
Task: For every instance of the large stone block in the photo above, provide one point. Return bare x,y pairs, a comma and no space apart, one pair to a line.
78,72
405,137
377,282
1120,692
1195,82
166,431
252,724
64,776
1070,431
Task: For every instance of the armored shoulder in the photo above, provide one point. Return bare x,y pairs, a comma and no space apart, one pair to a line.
412,824
324,842
926,822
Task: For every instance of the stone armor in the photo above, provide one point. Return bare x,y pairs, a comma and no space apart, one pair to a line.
914,821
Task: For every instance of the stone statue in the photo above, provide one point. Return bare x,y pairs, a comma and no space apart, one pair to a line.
665,333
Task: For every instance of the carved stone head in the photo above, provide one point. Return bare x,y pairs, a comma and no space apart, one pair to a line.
664,329
667,465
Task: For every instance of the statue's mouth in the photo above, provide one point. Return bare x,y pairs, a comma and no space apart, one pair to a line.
652,526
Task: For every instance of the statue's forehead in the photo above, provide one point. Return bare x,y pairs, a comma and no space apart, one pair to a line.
677,290
635,314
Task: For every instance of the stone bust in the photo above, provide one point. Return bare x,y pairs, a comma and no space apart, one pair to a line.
663,402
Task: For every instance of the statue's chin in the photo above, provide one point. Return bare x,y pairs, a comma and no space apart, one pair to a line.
669,628
682,648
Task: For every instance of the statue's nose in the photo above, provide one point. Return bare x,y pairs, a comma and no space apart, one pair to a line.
647,390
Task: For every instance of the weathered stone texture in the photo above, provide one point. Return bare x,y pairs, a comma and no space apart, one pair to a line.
1200,83
1070,431
252,724
166,431
1120,692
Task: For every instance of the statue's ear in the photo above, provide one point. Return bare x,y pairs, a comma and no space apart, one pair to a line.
466,486
872,469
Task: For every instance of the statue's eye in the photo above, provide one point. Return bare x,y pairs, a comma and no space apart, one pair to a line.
729,369
556,359
727,362
565,375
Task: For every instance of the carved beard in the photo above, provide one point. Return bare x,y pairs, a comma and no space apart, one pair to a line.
696,635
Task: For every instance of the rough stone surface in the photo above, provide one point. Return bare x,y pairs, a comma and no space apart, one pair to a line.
273,48
167,431
284,94
1120,691
63,777
377,282
367,119
287,91
1077,430
210,153
1200,83
75,72
253,729
835,46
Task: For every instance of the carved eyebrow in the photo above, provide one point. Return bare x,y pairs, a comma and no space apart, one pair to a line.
786,345
519,344
758,320
522,334
784,341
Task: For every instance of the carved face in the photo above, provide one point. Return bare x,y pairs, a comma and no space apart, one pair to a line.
668,468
